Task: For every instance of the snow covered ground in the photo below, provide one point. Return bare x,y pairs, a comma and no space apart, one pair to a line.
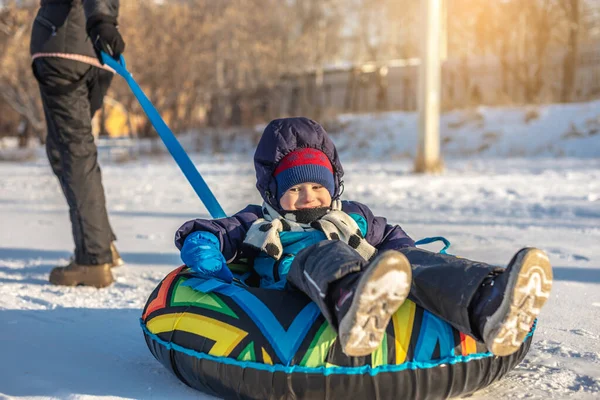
82,343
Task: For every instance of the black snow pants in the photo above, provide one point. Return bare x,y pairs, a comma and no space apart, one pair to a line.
71,93
442,284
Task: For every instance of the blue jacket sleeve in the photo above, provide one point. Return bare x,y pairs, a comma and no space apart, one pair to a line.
230,231
380,234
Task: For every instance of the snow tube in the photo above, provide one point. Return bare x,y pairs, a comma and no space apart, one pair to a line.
239,342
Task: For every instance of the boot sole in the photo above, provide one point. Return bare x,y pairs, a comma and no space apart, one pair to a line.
97,280
95,283
527,292
98,283
380,292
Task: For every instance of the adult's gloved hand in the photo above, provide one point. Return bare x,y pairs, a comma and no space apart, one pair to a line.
201,252
105,36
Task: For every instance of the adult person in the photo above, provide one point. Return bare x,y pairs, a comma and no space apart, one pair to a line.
66,40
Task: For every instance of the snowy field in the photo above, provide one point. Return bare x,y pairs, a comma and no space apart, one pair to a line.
83,343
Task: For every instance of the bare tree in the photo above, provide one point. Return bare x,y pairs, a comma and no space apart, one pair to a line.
17,84
520,34
225,62
572,10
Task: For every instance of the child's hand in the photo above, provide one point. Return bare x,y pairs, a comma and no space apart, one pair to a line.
201,253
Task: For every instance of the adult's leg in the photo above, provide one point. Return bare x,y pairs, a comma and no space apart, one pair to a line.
98,83
73,155
52,149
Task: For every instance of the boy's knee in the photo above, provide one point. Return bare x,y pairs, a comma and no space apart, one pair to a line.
321,248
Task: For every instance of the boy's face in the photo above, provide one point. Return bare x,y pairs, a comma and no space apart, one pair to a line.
305,195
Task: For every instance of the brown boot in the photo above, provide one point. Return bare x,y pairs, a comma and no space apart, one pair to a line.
117,261
74,274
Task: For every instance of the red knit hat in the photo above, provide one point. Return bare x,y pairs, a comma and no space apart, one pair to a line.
304,165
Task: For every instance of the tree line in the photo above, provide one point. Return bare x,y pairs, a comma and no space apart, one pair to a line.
189,55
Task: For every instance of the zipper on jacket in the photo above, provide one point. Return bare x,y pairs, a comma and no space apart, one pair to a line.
276,270
276,266
45,22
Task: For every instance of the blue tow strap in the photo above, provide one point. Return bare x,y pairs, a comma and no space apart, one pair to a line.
169,139
435,239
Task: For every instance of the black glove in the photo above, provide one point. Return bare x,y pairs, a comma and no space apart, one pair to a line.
105,36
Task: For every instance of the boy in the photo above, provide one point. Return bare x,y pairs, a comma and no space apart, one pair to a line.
357,268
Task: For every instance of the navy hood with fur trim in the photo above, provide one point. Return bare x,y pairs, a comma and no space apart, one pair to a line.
282,136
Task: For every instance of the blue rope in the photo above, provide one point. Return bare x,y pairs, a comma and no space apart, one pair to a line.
173,145
435,239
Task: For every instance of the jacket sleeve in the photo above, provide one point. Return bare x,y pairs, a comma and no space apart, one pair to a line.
94,8
380,234
230,231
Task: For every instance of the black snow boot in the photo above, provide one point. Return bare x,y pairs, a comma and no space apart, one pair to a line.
504,308
74,274
364,302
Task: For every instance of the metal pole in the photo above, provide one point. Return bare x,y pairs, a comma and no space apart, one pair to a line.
428,158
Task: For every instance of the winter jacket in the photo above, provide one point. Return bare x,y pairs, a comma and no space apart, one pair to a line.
231,233
280,138
59,26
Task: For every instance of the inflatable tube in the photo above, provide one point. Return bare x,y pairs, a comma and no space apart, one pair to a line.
248,343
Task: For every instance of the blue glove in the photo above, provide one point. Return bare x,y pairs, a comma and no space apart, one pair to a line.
201,253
